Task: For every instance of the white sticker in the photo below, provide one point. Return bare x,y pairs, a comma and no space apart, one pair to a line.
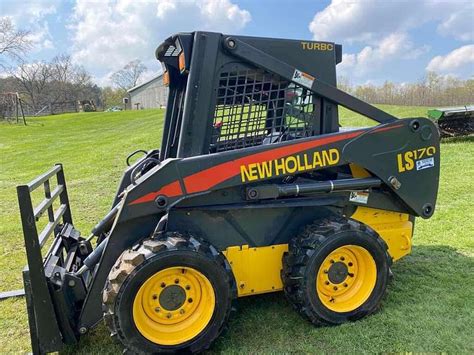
303,78
425,163
359,197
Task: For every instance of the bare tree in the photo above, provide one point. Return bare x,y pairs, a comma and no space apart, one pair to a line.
128,76
14,43
66,79
33,79
57,84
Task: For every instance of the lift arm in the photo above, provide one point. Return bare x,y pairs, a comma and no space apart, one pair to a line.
261,59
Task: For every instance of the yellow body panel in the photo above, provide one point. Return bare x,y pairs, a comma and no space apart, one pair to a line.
256,270
358,171
395,228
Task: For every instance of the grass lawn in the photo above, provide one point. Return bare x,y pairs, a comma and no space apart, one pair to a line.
430,303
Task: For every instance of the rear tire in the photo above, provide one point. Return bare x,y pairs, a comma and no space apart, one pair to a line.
169,295
336,271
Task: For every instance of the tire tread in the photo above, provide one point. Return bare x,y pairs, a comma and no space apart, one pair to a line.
301,249
132,258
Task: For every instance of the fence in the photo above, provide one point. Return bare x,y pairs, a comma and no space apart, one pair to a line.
51,108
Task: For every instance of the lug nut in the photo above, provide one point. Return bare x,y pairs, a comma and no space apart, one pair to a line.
168,315
157,309
335,288
331,261
163,285
190,300
325,271
181,311
345,285
327,282
154,297
188,287
342,258
176,281
351,274
350,264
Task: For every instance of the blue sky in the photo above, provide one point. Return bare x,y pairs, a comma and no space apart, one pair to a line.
397,40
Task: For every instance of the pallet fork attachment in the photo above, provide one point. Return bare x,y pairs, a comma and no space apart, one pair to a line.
46,332
10,294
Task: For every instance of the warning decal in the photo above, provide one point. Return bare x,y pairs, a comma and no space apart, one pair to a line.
359,197
303,78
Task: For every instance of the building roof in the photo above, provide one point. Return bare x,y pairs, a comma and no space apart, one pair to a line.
145,83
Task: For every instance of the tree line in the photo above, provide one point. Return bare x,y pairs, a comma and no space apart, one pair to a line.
58,82
433,90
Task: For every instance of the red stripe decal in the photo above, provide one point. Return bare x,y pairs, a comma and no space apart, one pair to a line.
206,179
171,190
381,129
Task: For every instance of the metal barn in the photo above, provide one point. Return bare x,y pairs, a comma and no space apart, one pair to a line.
151,94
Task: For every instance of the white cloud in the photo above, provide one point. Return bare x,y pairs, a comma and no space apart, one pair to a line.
396,46
41,36
459,62
219,14
459,24
32,16
386,29
371,20
114,32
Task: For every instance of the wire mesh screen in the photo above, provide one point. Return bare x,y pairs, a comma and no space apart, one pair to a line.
256,107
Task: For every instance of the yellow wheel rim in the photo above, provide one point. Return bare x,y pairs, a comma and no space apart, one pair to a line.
174,306
346,278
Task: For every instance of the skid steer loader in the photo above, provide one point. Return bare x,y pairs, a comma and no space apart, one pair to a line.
256,188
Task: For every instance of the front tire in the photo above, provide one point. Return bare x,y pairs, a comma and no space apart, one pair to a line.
336,271
169,295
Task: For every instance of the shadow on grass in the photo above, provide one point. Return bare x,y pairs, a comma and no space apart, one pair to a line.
427,308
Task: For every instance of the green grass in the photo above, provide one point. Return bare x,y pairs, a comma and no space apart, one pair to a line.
429,305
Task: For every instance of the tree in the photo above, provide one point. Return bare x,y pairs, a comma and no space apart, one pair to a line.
128,76
111,97
14,43
58,83
68,80
33,80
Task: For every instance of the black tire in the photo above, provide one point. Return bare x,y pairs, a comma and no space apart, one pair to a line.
310,249
140,263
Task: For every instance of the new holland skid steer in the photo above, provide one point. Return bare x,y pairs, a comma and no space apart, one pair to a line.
256,188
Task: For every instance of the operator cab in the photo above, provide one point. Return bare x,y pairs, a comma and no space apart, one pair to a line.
218,102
